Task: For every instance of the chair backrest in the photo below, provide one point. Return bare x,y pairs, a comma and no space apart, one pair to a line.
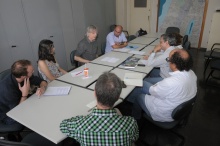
4,74
73,62
183,110
187,45
103,45
185,39
12,143
172,30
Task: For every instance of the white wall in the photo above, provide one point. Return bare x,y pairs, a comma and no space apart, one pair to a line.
212,7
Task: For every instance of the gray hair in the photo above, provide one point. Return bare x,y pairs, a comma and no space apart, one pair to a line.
91,28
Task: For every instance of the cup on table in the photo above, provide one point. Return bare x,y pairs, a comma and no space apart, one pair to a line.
86,72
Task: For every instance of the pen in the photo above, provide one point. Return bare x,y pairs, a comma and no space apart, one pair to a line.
79,73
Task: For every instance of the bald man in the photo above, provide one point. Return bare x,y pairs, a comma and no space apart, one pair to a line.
160,99
116,39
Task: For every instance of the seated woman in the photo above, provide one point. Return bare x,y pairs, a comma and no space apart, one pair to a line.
47,64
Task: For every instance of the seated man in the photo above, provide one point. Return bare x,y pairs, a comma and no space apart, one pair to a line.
116,39
167,43
162,97
87,49
104,126
15,87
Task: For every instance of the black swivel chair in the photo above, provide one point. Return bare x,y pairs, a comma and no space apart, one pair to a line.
4,74
32,139
214,66
185,39
187,45
172,30
214,53
180,115
72,60
103,46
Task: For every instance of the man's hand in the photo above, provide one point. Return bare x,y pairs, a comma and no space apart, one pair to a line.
145,57
157,48
40,91
25,88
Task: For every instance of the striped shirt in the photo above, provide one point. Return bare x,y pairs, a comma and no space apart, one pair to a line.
101,128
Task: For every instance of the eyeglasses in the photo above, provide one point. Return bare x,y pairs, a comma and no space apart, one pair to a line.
168,59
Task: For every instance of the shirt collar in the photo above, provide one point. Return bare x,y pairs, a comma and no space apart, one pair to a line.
98,112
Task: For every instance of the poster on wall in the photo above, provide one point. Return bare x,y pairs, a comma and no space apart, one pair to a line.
187,15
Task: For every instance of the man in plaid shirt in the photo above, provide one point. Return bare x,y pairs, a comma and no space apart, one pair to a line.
104,126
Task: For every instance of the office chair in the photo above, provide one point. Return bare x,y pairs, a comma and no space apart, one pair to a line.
180,115
73,62
187,46
215,66
185,39
172,30
214,53
32,139
4,73
103,46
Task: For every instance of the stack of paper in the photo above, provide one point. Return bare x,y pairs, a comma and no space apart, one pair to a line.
130,62
57,90
135,79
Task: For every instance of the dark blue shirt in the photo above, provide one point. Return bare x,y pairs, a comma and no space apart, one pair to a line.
10,95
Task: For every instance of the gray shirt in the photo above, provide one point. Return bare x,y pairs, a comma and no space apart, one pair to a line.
87,50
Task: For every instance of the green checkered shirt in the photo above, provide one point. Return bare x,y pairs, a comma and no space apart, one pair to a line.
101,128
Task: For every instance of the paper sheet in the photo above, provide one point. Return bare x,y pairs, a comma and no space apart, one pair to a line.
136,52
76,73
57,90
110,59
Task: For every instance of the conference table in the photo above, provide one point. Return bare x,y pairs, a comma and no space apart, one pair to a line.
43,115
76,77
143,40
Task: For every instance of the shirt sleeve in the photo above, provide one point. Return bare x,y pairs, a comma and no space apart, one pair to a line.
135,132
156,61
162,89
80,49
124,39
110,39
67,126
34,80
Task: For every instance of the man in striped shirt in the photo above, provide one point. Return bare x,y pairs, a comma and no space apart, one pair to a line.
104,126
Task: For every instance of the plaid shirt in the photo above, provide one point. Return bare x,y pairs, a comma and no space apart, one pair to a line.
101,128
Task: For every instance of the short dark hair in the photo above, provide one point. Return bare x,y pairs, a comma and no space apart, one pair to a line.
19,68
182,63
44,50
171,38
108,89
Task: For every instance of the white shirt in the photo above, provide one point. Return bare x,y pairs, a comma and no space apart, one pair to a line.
111,39
160,61
169,93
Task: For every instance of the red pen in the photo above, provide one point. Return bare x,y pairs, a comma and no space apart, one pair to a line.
79,73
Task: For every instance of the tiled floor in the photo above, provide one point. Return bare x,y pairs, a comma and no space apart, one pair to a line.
203,127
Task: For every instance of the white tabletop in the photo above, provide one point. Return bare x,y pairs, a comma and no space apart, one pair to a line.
141,69
143,40
112,58
156,42
95,71
153,35
130,47
44,115
148,49
120,73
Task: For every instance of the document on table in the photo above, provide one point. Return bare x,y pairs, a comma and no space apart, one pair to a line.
57,91
142,61
131,47
136,52
110,59
135,79
122,50
76,73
